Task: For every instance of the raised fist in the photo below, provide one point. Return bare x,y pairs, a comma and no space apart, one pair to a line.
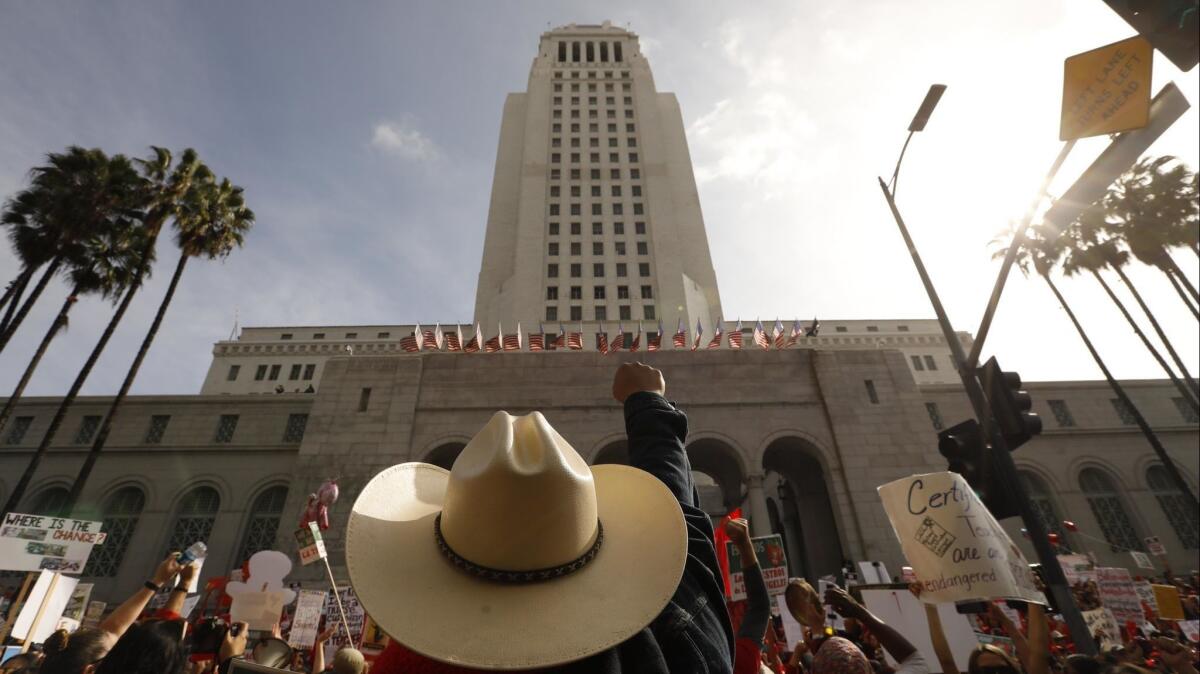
637,377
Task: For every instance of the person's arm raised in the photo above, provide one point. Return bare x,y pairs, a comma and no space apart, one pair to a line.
892,641
656,429
124,615
318,663
179,593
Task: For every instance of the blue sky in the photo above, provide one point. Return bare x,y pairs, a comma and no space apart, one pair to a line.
365,136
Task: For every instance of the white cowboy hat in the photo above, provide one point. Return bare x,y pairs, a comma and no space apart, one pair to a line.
521,556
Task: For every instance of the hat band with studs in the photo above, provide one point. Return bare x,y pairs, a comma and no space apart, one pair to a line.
502,576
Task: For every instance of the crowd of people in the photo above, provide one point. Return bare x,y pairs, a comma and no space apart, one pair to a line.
639,589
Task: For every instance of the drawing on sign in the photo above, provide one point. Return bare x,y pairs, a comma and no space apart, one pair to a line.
1106,90
772,562
935,537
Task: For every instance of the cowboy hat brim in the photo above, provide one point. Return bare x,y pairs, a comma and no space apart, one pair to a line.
422,600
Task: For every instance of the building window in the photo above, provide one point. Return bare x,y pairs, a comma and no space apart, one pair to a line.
872,394
1043,505
121,513
274,372
1186,411
576,313
194,518
226,425
935,416
16,433
1062,414
622,292
642,248
618,209
636,190
351,335
598,293
49,501
647,292
901,328
233,372
639,228
294,430
157,428
552,271
1175,506
1123,412
576,270
554,209
1107,506
286,335
576,248
616,190
260,373
310,370
620,247
618,228
930,363
554,229
872,328
622,269
364,399
576,292
643,269
597,248
842,328
598,270
648,312
263,522
294,373
383,335
624,312
552,248
552,292
318,335
601,313
552,313
576,209
597,209
917,364
87,429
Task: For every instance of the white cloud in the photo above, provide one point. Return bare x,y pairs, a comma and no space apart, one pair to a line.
404,140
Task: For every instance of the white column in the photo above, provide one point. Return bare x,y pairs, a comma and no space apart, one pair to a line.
760,521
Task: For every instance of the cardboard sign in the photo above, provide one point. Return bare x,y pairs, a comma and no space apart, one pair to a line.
1077,568
1117,595
260,610
307,618
55,599
793,631
38,542
906,614
1106,90
1155,546
956,548
1103,626
1167,599
1142,560
355,617
771,561
312,545
874,573
1145,592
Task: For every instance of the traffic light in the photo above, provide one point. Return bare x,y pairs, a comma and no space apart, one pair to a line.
1171,26
1010,405
968,455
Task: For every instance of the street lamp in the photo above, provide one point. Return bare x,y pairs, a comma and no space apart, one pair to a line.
918,124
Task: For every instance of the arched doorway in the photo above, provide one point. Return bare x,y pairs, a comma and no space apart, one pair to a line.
614,452
715,470
797,492
444,455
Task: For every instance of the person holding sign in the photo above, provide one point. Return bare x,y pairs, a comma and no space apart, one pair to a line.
747,658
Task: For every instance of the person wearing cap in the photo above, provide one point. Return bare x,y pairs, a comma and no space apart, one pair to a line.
522,556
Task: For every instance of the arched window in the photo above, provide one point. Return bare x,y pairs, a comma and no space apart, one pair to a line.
263,522
1110,513
1183,519
121,513
1039,494
49,501
194,518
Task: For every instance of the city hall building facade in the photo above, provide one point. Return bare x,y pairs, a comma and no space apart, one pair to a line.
594,220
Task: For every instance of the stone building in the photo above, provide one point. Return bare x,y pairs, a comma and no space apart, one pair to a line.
799,438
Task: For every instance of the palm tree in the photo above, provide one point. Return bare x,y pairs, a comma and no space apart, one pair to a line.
1042,253
96,244
210,221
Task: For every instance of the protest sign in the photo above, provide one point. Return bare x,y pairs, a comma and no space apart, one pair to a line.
1190,629
956,548
37,542
311,544
93,613
374,638
1167,599
307,618
1145,593
1155,546
44,606
1003,643
771,561
259,610
260,599
1142,560
902,611
78,602
1103,626
1117,595
792,630
1077,568
355,616
874,573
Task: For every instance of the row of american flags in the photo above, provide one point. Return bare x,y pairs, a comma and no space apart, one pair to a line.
439,339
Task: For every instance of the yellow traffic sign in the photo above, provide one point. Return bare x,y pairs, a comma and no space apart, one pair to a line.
1107,90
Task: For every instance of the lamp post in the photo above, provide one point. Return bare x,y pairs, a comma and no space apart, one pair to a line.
1056,581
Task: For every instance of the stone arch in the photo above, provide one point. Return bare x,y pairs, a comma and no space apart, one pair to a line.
616,450
444,454
719,472
797,482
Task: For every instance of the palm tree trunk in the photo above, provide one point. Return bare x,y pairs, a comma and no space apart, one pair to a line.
1182,295
1162,335
89,463
69,399
1183,280
29,302
59,321
1173,471
1188,394
13,295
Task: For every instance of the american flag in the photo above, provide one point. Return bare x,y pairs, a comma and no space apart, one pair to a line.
715,342
575,339
797,333
699,334
602,341
473,344
536,340
679,341
493,344
814,328
409,343
561,340
778,334
454,339
618,342
655,342
432,339
637,339
735,337
760,336
513,342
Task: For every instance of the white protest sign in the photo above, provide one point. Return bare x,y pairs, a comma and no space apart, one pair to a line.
259,610
1145,592
900,610
1190,629
1103,626
52,589
260,599
1142,560
1077,568
874,572
956,548
1155,546
793,632
355,618
772,563
93,613
311,544
1117,595
307,618
38,542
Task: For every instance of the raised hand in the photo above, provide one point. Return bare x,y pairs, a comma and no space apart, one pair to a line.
637,377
